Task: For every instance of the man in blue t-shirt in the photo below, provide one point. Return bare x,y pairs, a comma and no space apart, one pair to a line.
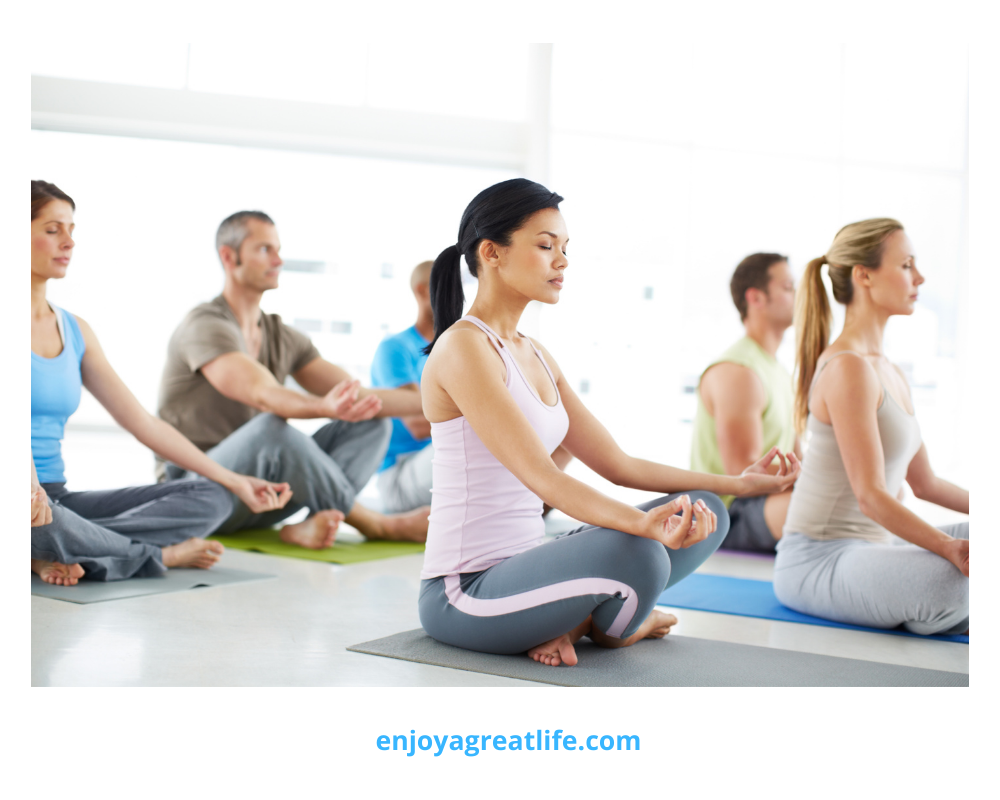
404,479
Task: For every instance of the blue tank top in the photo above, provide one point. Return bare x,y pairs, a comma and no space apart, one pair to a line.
55,395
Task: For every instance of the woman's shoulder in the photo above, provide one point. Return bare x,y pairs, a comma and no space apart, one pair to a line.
462,347
842,371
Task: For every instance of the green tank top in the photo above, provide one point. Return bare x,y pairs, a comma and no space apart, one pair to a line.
779,428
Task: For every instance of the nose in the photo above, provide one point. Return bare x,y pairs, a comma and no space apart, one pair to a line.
918,278
68,243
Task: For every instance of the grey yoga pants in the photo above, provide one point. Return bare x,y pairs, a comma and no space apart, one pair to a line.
325,470
548,590
120,533
878,585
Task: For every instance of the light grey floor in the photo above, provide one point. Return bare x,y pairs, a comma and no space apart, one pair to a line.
293,631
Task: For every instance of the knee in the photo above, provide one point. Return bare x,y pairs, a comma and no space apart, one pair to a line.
641,563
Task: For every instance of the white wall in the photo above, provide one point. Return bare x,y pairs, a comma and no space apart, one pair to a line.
677,165
674,165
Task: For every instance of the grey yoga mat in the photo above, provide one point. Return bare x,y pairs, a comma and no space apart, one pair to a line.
175,580
671,661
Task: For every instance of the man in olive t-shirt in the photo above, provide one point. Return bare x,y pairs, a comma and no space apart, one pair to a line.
745,400
223,388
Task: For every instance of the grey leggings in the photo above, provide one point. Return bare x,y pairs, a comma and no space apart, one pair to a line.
878,585
547,591
325,470
120,533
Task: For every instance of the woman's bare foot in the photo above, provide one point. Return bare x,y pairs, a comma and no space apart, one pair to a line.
54,572
560,650
317,532
193,553
655,626
555,652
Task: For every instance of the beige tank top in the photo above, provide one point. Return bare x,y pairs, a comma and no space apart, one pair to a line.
823,505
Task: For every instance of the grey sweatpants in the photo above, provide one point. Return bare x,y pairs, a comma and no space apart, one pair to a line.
325,471
878,585
548,590
406,485
120,533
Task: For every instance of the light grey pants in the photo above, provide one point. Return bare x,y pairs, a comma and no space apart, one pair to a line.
406,485
120,533
325,470
878,585
547,591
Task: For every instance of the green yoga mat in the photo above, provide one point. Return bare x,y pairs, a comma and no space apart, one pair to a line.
266,541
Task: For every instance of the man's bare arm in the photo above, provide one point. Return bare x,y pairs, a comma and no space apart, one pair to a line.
319,376
735,398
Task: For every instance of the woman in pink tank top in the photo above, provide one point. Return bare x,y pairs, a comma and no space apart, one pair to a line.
499,407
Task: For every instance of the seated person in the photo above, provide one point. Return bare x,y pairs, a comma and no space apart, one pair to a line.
404,479
113,534
745,400
499,407
837,559
223,387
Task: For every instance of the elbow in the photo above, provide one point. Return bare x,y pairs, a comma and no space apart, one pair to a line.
920,490
257,398
871,501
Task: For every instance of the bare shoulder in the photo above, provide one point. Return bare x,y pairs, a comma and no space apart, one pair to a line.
847,377
89,337
462,346
728,381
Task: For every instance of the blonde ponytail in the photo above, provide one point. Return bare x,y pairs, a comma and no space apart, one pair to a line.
860,243
812,334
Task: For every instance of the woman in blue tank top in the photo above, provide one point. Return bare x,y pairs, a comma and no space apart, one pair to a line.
109,535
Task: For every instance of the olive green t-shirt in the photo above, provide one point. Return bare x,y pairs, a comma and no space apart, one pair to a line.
777,419
189,402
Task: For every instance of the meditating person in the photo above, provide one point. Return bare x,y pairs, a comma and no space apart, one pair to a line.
499,406
223,387
404,478
746,400
836,559
114,534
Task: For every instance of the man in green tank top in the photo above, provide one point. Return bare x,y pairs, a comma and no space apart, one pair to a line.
745,400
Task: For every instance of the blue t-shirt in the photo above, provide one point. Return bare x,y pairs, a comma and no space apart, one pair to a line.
55,394
398,361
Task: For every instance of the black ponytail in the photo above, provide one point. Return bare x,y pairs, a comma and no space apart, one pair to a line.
494,214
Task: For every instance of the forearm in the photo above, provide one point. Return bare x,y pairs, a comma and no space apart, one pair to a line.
896,518
286,403
636,473
397,402
167,442
947,495
579,501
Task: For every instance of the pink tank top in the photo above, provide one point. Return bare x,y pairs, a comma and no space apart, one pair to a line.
480,513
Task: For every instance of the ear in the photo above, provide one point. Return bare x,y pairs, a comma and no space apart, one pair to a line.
861,276
754,296
423,291
489,254
227,256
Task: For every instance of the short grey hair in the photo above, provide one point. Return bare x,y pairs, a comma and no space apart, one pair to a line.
233,229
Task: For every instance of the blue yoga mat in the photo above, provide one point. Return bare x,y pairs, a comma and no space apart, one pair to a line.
749,598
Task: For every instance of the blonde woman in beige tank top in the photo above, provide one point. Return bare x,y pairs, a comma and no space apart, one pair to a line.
836,558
